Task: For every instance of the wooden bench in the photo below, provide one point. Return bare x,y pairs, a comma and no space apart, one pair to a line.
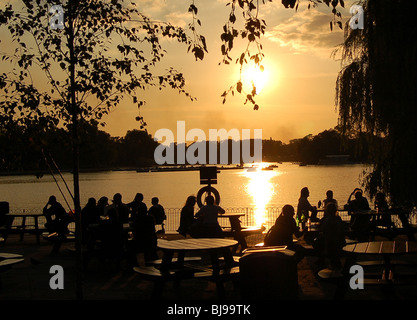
189,272
224,274
159,278
152,273
174,260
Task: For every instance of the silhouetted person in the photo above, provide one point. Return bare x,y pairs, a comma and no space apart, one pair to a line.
121,209
329,199
89,215
112,237
187,216
282,232
207,224
57,218
333,236
158,213
102,204
304,206
137,206
360,220
381,206
144,235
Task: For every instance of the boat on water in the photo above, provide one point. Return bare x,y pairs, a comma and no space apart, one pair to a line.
271,167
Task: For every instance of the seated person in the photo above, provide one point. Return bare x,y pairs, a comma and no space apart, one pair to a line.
137,206
381,206
333,236
329,199
121,208
57,219
112,237
359,223
187,216
145,239
158,213
207,225
282,232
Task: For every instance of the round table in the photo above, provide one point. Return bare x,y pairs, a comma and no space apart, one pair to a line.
212,245
386,249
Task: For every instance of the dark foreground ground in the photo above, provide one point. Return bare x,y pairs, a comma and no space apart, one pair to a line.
28,282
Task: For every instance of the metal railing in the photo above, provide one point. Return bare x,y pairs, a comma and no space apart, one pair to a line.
249,219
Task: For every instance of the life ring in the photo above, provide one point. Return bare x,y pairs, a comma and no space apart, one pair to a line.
210,190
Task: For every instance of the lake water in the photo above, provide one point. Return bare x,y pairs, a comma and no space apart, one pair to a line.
238,188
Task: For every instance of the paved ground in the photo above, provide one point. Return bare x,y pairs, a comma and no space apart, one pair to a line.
30,281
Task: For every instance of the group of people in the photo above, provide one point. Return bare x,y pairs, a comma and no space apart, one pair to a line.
205,224
102,223
333,230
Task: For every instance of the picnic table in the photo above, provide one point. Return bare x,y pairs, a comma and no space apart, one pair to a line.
24,227
390,231
237,231
168,270
385,249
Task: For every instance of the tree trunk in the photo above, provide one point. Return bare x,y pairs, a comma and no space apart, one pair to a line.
75,153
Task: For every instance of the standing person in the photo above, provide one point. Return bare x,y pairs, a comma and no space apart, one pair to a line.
304,206
207,225
158,213
137,206
187,216
282,232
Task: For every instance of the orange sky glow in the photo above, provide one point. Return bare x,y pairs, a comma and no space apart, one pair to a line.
297,99
298,89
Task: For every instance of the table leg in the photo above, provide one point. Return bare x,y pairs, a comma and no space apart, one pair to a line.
343,283
237,235
165,265
387,276
406,226
38,240
216,274
166,261
22,230
228,258
9,223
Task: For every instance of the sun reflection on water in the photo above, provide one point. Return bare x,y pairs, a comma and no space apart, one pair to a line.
261,189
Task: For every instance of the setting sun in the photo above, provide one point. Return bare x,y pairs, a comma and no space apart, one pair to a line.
257,76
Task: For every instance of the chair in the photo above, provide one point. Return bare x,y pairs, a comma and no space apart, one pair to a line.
5,221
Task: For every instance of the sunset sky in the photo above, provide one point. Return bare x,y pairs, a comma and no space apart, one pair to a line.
298,98
299,91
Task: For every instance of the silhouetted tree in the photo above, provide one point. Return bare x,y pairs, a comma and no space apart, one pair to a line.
102,52
376,94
